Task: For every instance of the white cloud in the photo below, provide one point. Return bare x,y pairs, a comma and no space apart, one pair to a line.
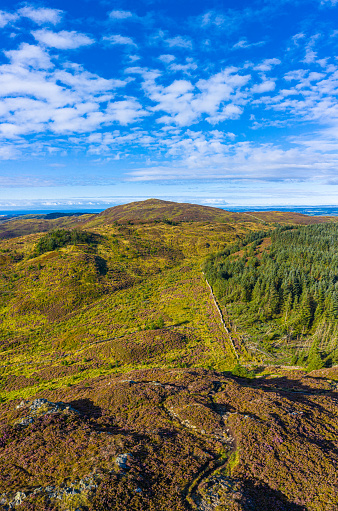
29,55
267,65
119,39
134,58
213,18
126,112
184,103
166,58
331,2
266,86
311,99
296,74
310,56
230,111
189,65
296,38
231,20
198,156
6,17
9,152
179,42
36,97
120,15
101,143
41,15
62,40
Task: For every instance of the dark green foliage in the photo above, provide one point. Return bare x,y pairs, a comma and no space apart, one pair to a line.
314,360
61,238
169,222
155,324
242,372
289,279
52,216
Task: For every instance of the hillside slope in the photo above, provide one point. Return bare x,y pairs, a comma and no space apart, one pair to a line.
121,389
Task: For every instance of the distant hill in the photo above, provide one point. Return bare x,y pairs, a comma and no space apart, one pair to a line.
29,224
149,211
155,210
289,217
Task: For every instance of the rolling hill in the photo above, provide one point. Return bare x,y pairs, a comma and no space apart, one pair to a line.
126,383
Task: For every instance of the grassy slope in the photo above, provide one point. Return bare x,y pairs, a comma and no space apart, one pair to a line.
77,319
59,303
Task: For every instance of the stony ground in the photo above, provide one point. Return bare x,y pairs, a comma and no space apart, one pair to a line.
177,439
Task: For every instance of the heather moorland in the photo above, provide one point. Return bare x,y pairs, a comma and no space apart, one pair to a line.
168,356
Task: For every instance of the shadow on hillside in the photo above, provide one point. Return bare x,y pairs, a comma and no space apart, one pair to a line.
101,265
294,389
86,407
184,322
263,498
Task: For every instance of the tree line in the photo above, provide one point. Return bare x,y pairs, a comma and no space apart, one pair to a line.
293,280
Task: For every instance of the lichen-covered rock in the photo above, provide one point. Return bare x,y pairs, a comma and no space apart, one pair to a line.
40,407
122,460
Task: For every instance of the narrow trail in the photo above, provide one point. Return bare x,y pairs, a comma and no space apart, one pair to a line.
256,218
206,472
193,493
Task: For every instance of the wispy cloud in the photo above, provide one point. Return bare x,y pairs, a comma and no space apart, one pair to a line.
120,15
187,67
201,157
184,103
179,42
6,18
41,15
243,44
267,64
190,108
25,56
166,58
329,2
265,86
212,18
62,40
119,39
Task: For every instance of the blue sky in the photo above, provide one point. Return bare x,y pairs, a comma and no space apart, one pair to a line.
219,103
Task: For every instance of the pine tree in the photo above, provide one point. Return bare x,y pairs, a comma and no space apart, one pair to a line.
314,360
273,301
305,315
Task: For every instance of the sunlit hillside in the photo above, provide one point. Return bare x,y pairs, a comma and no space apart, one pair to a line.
113,315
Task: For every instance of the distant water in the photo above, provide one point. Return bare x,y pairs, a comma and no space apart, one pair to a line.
46,211
306,210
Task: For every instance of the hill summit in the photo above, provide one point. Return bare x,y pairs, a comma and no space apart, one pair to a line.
157,210
152,210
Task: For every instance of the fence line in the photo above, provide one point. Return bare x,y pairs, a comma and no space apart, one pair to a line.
221,316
